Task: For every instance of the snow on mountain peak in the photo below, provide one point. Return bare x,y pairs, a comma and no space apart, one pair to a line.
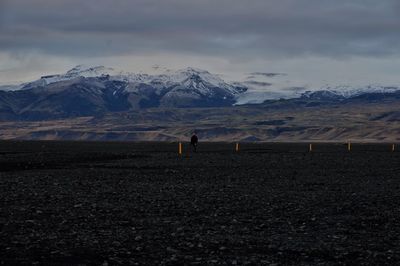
87,71
348,91
199,79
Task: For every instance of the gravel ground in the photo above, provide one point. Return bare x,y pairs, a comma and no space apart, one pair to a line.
93,203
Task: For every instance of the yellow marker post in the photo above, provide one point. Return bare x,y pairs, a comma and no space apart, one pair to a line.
393,147
180,148
237,146
310,148
349,146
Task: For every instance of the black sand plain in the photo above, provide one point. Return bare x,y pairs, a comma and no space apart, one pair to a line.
121,203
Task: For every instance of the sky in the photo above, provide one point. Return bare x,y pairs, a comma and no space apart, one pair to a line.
314,42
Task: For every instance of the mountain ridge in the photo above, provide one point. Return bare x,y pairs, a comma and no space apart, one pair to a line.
94,91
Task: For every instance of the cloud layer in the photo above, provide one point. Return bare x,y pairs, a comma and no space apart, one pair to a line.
252,33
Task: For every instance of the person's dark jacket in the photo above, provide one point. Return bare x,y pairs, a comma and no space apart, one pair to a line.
194,139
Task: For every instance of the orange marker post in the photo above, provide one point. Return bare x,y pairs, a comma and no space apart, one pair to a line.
237,146
393,147
349,146
310,147
180,148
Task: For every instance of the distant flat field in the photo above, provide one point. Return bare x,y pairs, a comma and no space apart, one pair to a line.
69,203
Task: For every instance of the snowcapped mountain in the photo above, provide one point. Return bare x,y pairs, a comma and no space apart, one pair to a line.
95,90
348,92
198,82
87,72
196,79
78,71
84,91
188,87
342,92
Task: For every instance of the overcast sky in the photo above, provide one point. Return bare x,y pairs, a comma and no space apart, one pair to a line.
313,41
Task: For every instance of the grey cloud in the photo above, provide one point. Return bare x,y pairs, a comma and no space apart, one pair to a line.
257,83
266,74
231,29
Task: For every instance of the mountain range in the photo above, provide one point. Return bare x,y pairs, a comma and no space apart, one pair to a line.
98,90
84,91
101,103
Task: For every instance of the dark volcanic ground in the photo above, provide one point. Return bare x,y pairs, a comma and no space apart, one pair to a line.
124,203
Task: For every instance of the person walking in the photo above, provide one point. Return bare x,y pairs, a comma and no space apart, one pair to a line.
194,140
